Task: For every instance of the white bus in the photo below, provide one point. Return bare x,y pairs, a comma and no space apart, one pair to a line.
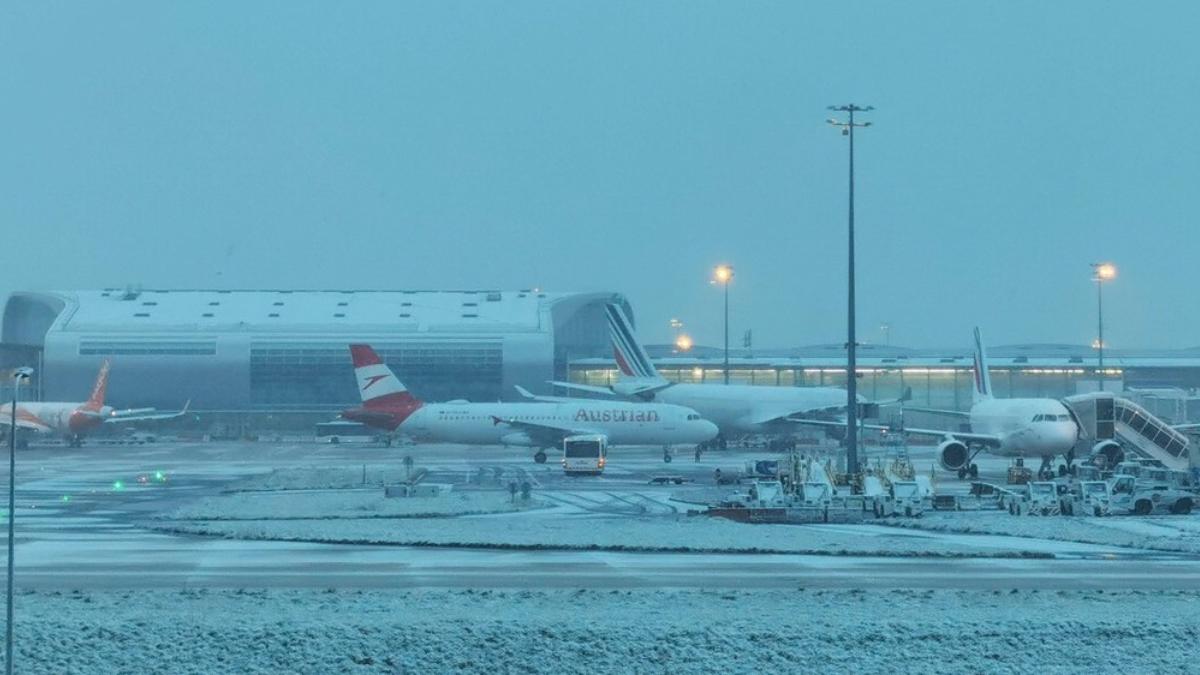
584,454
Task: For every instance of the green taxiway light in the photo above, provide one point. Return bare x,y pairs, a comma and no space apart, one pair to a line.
118,485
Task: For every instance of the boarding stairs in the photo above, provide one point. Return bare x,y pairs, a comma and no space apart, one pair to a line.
1104,416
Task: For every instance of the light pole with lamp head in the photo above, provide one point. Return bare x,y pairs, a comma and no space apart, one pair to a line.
723,274
848,128
18,376
1101,272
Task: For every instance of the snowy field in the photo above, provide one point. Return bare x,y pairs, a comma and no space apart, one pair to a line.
580,520
794,630
1157,533
347,504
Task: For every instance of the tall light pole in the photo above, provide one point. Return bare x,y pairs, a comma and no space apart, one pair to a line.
723,274
848,128
1101,272
18,375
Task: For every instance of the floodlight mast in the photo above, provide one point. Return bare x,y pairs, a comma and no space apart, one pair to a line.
848,128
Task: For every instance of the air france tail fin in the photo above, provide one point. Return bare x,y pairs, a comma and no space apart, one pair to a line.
96,401
983,379
630,356
377,384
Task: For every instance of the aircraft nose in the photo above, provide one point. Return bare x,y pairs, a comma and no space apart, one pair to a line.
709,430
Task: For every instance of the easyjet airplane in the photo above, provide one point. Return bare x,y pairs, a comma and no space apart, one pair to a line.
72,420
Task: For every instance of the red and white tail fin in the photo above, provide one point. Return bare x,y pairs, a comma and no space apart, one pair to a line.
377,384
96,401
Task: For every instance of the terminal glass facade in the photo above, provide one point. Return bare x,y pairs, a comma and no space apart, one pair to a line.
312,376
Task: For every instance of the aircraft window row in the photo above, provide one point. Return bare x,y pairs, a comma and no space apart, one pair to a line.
693,416
1051,418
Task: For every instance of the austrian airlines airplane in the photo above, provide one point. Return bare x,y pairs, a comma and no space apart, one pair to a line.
738,409
1004,427
73,420
389,406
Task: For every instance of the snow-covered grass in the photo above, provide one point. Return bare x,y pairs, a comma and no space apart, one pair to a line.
1162,533
536,531
345,504
324,478
607,631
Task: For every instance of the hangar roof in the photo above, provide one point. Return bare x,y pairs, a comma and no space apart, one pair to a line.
117,310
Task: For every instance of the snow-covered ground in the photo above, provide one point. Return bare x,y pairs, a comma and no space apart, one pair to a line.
1160,533
572,521
798,630
344,504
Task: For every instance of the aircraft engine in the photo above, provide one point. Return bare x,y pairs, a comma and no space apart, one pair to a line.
953,455
1110,450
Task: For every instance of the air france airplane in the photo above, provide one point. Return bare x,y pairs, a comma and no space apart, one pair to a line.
1003,427
738,409
389,406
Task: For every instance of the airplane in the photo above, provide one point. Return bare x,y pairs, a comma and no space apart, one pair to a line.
73,420
388,405
1002,427
737,409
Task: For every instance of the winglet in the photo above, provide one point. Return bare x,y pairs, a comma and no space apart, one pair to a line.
525,393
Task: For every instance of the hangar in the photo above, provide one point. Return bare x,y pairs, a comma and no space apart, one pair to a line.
281,351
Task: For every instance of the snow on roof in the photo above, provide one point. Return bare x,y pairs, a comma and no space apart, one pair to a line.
302,310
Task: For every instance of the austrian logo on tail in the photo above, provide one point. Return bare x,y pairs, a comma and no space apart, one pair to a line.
372,380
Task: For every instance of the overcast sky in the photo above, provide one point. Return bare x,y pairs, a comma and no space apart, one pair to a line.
621,146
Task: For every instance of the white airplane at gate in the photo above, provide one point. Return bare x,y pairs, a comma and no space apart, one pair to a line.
738,409
72,420
389,406
1004,427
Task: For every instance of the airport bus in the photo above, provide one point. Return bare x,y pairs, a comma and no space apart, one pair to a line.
584,454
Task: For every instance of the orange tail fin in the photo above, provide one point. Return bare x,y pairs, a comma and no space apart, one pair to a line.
96,401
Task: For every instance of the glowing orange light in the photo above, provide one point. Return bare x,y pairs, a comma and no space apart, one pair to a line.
683,343
723,274
1105,271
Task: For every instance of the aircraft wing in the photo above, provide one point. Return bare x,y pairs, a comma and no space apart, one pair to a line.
591,389
144,414
989,440
542,433
938,411
26,422
530,396
793,415
796,416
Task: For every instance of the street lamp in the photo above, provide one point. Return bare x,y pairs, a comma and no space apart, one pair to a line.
1101,272
683,343
19,375
723,274
848,128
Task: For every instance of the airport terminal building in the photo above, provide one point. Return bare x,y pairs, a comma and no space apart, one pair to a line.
283,353
279,351
1166,381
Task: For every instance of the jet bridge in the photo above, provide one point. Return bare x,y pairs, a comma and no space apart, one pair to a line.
1105,417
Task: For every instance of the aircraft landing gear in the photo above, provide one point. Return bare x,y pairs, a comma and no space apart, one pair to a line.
1046,470
540,457
971,470
667,454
